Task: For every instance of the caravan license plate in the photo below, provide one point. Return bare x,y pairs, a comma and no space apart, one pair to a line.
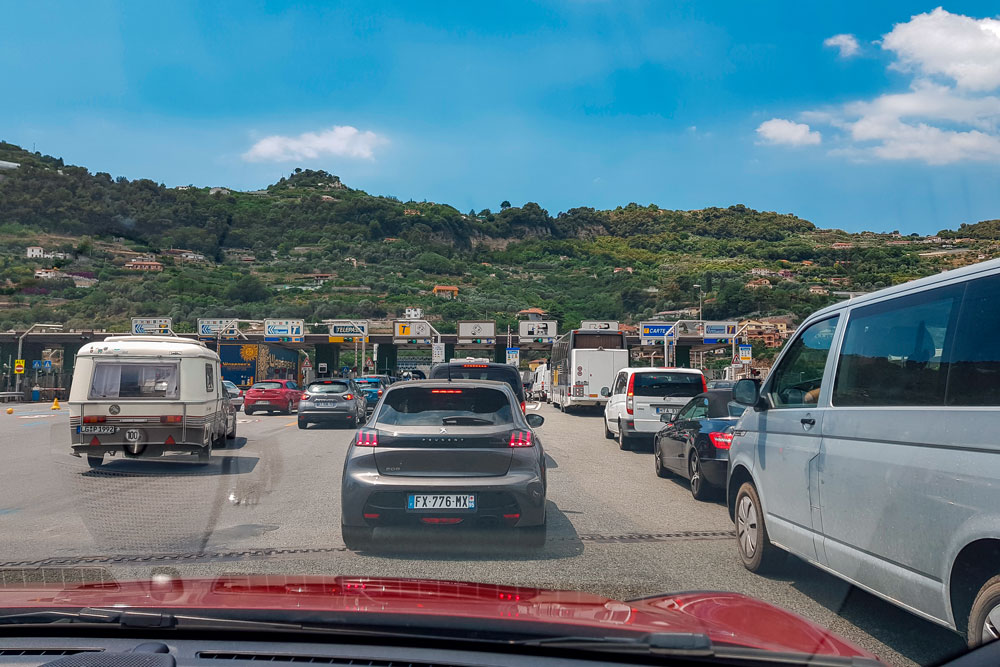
441,502
100,430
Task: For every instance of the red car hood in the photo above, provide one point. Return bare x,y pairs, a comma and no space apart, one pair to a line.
727,618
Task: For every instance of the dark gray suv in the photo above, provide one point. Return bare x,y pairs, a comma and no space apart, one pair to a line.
335,401
445,454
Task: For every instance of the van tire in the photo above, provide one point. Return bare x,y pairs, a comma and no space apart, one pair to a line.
95,461
754,546
232,433
624,442
987,600
357,538
607,432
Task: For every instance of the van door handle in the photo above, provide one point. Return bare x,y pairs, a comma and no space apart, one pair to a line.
808,421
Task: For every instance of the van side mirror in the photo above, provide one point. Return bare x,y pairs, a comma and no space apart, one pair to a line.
747,392
605,392
534,420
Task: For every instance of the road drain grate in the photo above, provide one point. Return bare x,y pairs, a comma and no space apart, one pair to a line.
593,538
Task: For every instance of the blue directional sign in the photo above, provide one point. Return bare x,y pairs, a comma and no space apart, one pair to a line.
717,341
283,330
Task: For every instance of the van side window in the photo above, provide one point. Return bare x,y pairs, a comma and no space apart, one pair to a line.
894,352
209,379
619,387
975,358
798,378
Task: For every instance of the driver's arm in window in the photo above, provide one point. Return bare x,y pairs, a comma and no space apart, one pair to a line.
798,379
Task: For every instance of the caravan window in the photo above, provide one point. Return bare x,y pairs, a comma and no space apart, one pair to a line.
134,380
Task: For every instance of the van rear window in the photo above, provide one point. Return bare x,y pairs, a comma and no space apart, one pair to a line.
667,384
134,380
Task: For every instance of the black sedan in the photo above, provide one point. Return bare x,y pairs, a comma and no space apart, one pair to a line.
445,454
695,443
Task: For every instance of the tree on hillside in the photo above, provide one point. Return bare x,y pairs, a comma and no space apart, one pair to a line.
504,205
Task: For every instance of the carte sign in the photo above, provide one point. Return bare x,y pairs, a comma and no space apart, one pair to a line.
406,331
653,333
211,328
150,325
479,332
275,330
348,331
602,325
540,331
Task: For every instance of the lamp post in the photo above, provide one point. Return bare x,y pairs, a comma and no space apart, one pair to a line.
700,295
20,342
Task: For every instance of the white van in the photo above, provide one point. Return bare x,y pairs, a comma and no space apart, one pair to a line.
540,382
641,397
144,396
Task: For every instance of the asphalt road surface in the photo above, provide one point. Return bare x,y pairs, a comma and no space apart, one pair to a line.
271,504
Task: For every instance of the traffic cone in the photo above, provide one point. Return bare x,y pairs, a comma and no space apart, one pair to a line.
55,404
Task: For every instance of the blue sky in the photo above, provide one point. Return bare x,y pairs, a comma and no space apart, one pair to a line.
582,103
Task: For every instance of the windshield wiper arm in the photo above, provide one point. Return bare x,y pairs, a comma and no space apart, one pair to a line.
672,643
469,421
131,618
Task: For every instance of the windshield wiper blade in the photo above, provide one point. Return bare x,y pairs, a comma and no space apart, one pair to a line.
672,643
131,618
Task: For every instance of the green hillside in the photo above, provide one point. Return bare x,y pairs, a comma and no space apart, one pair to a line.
261,250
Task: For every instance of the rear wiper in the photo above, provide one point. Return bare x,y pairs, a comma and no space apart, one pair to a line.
466,421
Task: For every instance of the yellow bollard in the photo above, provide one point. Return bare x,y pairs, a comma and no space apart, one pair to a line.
55,404
10,411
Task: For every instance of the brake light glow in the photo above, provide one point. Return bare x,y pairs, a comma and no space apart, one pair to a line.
171,419
96,419
721,440
523,409
520,439
630,396
379,392
475,365
704,384
348,397
371,515
514,597
305,396
446,391
367,438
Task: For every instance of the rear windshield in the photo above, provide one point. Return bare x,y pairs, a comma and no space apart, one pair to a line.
368,381
473,372
667,384
266,385
331,388
425,406
134,380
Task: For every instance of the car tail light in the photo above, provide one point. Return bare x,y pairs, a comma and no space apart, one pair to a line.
97,419
511,519
171,419
475,366
445,391
704,383
304,396
371,515
630,396
520,438
367,437
379,392
523,408
721,440
348,397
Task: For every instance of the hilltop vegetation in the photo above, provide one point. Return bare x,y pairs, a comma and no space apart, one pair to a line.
377,255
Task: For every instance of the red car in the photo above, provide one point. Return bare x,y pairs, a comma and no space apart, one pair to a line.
272,396
420,614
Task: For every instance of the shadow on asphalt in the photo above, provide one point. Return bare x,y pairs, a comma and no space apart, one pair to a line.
175,466
913,637
420,543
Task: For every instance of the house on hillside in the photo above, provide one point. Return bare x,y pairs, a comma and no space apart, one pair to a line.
411,211
771,333
445,291
839,280
807,262
532,314
785,273
49,274
818,289
760,271
760,283
842,246
143,265
35,251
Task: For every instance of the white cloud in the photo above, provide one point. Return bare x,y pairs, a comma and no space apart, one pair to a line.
847,44
789,133
339,141
961,48
949,114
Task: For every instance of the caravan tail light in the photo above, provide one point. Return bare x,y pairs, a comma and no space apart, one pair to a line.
171,419
95,419
630,396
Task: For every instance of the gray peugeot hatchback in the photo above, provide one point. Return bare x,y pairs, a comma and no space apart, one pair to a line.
440,453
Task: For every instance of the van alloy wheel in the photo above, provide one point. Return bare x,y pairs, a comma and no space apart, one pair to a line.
754,546
746,526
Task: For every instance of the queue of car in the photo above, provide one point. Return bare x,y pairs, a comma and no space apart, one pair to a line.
870,450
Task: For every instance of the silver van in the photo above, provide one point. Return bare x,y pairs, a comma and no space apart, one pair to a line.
872,449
